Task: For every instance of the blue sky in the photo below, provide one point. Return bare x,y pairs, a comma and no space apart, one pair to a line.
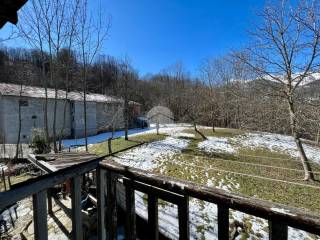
156,34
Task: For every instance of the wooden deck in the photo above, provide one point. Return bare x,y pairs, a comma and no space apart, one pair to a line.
54,162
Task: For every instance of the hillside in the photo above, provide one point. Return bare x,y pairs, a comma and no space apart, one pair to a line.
256,164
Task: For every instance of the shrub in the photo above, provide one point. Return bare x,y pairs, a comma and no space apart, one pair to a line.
39,141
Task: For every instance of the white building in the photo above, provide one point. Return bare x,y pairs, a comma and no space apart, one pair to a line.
101,111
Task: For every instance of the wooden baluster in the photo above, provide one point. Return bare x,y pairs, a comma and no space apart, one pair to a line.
183,215
111,206
130,212
49,201
153,224
278,230
223,222
40,215
4,179
77,233
101,201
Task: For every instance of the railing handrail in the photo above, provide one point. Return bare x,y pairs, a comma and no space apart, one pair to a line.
289,216
43,182
36,185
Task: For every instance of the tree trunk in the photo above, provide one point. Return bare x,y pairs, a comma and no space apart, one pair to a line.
213,129
126,118
85,115
157,126
200,133
318,136
55,148
308,174
46,128
19,128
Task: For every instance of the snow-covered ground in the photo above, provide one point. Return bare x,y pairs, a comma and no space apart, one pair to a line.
272,142
277,143
203,215
217,144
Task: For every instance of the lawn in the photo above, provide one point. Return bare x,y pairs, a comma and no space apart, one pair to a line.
232,160
235,172
120,143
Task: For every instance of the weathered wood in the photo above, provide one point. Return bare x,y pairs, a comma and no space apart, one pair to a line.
3,179
101,202
223,222
34,185
76,208
160,193
277,230
9,181
49,201
153,218
109,145
111,206
130,212
290,216
183,219
40,215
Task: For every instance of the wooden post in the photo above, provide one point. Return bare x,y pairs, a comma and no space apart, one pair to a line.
183,215
49,201
40,215
101,202
223,222
153,224
9,180
111,206
4,179
109,145
130,212
76,208
278,230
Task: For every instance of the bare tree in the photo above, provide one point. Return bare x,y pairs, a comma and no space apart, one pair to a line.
285,51
32,28
216,74
91,34
126,88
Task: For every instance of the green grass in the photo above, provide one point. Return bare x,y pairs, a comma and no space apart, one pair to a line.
195,166
219,132
15,179
120,143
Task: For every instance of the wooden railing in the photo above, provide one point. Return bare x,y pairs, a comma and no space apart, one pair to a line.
178,192
38,189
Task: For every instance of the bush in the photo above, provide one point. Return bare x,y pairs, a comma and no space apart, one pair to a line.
39,141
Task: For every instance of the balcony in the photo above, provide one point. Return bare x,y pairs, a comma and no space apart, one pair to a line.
111,175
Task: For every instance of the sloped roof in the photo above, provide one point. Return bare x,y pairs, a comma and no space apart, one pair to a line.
7,89
8,11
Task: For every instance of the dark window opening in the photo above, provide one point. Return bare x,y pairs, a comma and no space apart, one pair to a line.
23,103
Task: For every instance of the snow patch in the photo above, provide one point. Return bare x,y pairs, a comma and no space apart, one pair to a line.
145,157
277,143
217,144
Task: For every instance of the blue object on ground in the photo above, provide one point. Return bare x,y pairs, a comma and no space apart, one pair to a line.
100,137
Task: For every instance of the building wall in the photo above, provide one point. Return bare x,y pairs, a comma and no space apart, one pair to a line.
2,140
32,116
108,114
99,118
79,119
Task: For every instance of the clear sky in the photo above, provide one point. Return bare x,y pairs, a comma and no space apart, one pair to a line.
156,34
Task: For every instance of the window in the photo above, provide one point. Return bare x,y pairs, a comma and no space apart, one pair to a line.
23,103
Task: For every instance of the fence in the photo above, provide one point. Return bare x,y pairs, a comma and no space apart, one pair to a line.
178,192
